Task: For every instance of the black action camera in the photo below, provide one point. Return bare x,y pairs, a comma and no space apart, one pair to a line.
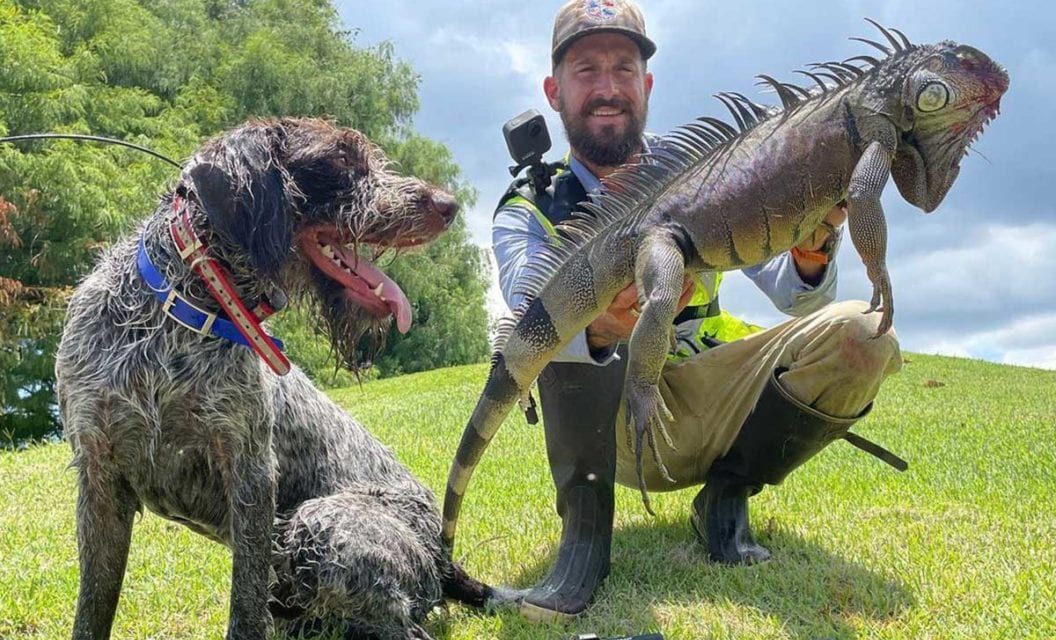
528,139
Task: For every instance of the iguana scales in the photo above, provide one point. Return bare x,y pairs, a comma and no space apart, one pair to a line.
719,197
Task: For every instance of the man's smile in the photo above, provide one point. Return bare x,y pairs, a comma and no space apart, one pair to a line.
606,111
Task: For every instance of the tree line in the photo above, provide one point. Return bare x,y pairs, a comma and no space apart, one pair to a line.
168,74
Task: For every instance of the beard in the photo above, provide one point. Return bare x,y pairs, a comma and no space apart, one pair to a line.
607,148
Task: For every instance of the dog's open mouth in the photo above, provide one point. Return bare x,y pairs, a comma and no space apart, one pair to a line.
364,284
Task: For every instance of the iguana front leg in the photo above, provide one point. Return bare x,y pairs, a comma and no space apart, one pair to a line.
659,273
865,220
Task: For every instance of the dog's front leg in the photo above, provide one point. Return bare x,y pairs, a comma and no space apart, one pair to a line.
252,514
105,508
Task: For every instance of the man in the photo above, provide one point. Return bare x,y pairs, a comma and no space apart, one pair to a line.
747,412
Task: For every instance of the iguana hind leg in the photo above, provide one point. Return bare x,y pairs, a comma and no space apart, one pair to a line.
865,219
659,272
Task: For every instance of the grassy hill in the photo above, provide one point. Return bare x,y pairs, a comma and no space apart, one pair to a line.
963,545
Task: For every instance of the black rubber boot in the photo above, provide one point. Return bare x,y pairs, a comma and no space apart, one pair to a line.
779,435
579,404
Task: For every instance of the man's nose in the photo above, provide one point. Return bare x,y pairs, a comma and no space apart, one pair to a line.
607,85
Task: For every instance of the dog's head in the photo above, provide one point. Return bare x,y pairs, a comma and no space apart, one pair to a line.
307,207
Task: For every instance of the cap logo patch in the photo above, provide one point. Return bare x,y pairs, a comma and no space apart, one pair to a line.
600,10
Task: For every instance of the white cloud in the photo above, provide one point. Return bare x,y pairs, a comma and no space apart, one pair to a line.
994,268
528,59
1043,358
988,293
498,55
1029,341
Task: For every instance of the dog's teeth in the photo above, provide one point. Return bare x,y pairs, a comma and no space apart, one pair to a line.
377,291
326,250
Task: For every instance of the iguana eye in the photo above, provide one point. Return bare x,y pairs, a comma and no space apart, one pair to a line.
932,97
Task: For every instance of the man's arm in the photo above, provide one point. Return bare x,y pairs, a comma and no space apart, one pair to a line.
617,322
516,236
798,282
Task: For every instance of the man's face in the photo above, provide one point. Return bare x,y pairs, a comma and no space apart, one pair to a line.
601,89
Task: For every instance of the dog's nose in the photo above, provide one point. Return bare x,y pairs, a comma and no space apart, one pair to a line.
444,204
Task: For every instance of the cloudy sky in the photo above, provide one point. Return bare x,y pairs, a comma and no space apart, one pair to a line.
973,279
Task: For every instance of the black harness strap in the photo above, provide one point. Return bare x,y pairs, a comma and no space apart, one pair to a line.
544,201
872,448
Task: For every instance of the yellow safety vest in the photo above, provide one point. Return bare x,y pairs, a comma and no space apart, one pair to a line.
694,335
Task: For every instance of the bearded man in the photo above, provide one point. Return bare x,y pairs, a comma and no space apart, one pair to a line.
750,405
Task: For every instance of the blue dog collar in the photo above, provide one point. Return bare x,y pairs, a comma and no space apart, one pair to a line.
183,311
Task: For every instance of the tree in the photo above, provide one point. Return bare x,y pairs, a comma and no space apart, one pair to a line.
167,74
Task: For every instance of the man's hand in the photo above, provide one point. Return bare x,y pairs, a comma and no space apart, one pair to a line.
811,270
616,324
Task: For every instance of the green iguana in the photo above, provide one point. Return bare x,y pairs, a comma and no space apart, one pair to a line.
715,197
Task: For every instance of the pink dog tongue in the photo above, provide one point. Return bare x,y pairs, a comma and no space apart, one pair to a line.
390,291
398,302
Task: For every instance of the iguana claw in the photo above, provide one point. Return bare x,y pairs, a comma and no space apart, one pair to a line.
881,296
641,477
647,412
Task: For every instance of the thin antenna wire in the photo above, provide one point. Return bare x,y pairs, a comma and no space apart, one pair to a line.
77,136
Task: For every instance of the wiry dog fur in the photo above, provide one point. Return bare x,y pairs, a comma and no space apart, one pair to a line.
200,431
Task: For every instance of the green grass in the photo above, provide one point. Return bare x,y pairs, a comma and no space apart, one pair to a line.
963,545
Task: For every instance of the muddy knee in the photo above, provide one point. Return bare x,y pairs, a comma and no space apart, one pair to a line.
843,362
862,352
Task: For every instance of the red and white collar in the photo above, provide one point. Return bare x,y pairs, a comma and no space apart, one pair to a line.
195,252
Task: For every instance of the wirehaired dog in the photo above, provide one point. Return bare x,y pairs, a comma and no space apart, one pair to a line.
199,430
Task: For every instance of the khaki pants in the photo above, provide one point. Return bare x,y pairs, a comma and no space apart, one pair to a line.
834,365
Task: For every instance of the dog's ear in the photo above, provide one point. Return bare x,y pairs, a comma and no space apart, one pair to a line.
245,197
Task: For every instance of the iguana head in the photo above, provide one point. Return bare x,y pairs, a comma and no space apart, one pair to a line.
950,92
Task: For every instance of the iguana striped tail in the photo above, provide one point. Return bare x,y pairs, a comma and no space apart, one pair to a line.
501,392
528,342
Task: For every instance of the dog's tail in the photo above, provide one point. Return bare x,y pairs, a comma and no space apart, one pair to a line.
460,586
468,590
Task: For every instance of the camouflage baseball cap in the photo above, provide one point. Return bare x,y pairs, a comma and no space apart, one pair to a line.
579,18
